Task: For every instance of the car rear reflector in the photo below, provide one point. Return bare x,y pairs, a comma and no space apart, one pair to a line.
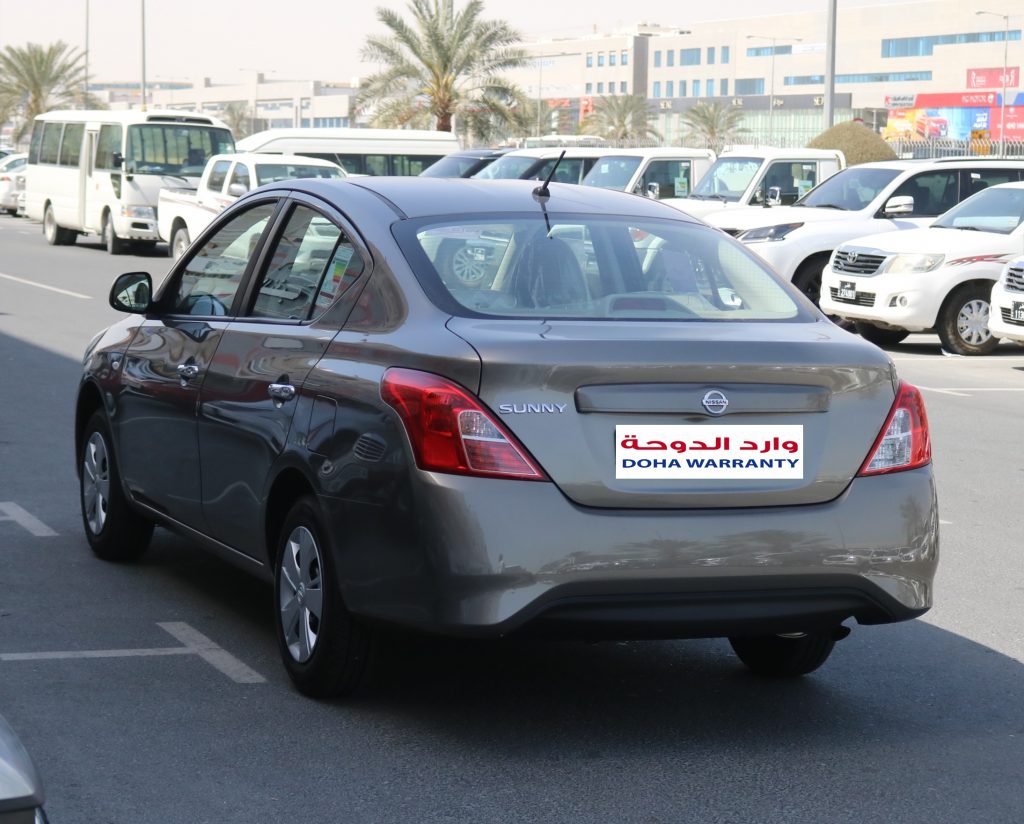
904,442
451,431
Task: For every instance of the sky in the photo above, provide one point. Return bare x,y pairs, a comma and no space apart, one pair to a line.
314,39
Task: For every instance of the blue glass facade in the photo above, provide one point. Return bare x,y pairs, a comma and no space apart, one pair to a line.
924,46
881,77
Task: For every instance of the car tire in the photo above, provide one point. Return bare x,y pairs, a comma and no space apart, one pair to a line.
114,530
179,242
963,321
56,235
807,277
325,649
879,336
113,244
784,656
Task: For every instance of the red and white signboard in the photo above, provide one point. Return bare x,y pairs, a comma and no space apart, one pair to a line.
993,78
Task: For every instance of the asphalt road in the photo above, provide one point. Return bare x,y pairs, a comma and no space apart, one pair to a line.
153,692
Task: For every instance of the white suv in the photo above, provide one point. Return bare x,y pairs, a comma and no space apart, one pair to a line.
798,240
1007,300
937,278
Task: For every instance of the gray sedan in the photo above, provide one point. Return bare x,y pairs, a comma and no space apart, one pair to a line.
615,423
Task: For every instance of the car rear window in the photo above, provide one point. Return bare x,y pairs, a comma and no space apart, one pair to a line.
592,267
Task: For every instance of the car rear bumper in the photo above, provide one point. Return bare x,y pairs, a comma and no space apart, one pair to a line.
467,560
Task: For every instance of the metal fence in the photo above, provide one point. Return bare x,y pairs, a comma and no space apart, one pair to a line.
947,147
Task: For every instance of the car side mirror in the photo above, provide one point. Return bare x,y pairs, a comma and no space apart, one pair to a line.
117,159
774,196
654,191
899,206
237,189
133,293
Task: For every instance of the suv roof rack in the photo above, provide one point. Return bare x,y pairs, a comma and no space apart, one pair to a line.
970,158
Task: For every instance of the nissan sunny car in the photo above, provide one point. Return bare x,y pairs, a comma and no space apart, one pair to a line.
619,424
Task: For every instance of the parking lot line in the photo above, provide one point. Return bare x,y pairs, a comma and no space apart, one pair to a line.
68,655
214,655
44,286
943,391
10,511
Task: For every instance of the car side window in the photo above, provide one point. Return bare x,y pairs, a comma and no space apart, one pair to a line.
672,177
933,192
240,175
210,278
218,174
311,264
977,180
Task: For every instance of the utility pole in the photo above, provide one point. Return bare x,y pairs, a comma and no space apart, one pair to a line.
830,65
85,81
771,78
143,55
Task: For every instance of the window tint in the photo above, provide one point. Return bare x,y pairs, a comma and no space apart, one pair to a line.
411,164
933,192
672,177
218,174
273,172
211,277
51,143
793,180
240,175
313,261
110,141
979,180
353,164
568,171
71,145
375,164
994,210
156,149
37,142
612,172
598,268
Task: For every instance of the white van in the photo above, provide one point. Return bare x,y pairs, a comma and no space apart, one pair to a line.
359,151
660,174
536,164
101,171
760,177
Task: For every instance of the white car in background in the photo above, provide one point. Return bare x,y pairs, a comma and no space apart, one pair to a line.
759,177
10,167
666,173
939,278
536,164
1006,318
798,240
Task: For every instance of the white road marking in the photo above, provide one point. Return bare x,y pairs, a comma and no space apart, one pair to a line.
980,389
214,655
943,391
195,643
44,286
10,511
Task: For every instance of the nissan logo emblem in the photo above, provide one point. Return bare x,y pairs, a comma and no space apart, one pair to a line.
715,402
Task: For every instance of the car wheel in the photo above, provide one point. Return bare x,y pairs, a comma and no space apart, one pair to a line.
114,244
784,656
807,277
879,336
323,647
179,242
963,321
54,234
114,530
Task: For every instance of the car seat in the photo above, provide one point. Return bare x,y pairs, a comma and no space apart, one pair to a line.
547,274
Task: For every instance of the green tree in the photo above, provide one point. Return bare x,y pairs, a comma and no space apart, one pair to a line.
715,125
239,117
856,141
35,79
621,117
444,61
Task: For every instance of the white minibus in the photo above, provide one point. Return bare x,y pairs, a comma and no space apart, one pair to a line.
100,172
359,151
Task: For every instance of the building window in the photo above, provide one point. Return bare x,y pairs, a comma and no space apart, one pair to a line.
600,88
657,88
766,51
709,88
881,77
590,61
682,88
625,59
670,88
600,58
611,58
670,57
689,57
657,60
711,55
923,46
696,88
590,88
725,54
749,85
622,87
723,87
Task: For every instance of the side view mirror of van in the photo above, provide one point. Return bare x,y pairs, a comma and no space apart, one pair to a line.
132,293
899,206
117,159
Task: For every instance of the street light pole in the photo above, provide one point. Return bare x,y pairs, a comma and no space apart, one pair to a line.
143,55
85,82
771,79
540,74
1002,105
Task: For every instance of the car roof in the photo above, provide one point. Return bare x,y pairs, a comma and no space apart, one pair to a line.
555,151
770,152
939,163
270,157
479,154
659,151
416,197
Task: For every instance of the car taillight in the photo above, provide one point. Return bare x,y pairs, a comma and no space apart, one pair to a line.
450,430
904,442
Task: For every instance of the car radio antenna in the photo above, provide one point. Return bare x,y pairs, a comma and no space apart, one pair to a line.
542,191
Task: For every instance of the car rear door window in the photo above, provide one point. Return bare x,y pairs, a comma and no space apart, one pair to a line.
312,263
218,174
933,192
210,278
240,176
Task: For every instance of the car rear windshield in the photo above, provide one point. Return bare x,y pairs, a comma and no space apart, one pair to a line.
273,172
509,167
592,267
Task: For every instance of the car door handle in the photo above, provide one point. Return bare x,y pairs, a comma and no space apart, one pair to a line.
281,392
187,371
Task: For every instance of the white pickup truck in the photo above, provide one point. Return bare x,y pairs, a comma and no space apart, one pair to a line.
183,213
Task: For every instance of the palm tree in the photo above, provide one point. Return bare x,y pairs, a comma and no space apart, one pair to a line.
35,79
621,117
713,124
239,118
444,61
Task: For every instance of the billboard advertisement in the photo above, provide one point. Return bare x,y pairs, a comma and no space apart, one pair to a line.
953,115
993,78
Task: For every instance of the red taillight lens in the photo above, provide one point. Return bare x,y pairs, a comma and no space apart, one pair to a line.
450,430
904,442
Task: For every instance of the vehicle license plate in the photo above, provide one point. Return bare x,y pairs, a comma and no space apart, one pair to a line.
1017,311
847,290
709,452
